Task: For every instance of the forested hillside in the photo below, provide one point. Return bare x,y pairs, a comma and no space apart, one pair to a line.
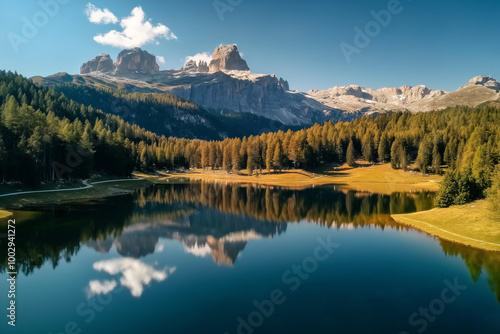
45,136
168,115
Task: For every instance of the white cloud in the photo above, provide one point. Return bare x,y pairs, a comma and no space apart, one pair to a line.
160,59
135,274
98,16
137,31
204,56
101,288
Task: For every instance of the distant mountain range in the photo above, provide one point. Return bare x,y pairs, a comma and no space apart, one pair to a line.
226,84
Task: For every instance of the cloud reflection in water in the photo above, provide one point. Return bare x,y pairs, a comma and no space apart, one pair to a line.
135,274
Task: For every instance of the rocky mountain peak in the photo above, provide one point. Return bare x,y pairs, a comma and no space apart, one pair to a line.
418,92
102,63
128,61
284,84
227,57
480,80
136,60
486,81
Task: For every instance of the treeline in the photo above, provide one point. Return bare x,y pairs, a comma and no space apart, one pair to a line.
45,135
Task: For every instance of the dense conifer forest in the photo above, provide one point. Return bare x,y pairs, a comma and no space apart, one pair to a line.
45,136
169,115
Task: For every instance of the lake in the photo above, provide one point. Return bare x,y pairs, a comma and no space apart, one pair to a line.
218,258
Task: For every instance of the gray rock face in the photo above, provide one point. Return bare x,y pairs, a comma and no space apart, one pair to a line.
203,67
263,95
228,58
284,84
136,60
192,66
102,63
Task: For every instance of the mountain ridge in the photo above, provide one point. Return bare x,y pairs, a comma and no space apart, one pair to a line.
227,83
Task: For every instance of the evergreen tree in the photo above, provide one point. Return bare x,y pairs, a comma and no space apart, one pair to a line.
368,147
482,166
448,191
226,162
244,153
351,154
270,155
212,155
451,152
404,158
235,155
424,155
436,160
205,155
10,114
278,155
396,154
252,156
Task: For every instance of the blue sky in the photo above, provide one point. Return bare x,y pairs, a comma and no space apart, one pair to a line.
441,44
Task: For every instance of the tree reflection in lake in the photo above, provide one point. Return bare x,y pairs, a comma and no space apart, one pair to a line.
324,205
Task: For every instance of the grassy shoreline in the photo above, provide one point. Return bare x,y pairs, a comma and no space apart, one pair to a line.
98,190
370,178
473,224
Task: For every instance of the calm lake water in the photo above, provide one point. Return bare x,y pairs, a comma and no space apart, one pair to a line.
214,258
